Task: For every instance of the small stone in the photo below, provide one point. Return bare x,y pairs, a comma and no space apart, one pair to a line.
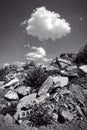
67,115
79,110
23,90
11,95
56,97
55,116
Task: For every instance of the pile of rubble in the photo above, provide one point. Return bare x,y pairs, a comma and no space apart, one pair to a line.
64,92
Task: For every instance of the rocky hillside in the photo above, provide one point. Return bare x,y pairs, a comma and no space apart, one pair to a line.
52,97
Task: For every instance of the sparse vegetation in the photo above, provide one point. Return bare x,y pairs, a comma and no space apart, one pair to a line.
39,116
35,77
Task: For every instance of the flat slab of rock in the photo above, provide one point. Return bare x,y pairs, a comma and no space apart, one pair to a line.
60,81
16,80
11,95
46,86
83,68
22,90
72,67
64,61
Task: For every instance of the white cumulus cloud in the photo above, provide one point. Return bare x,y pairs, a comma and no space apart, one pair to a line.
39,55
45,24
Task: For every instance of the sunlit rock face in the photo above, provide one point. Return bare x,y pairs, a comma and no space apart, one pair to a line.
11,95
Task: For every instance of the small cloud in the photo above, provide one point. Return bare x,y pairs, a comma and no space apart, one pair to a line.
45,25
38,55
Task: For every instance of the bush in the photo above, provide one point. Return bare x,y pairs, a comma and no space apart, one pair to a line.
35,77
6,70
28,65
2,75
39,116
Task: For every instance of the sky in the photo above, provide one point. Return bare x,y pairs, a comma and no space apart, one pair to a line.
27,34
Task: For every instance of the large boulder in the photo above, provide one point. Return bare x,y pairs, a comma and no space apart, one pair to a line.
11,95
25,101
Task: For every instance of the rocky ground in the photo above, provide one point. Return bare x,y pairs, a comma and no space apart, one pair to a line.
42,97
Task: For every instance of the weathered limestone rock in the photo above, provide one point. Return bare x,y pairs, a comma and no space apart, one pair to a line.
64,61
27,100
79,110
23,90
60,63
51,68
55,117
83,68
71,67
67,115
11,95
46,86
60,81
70,72
12,82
